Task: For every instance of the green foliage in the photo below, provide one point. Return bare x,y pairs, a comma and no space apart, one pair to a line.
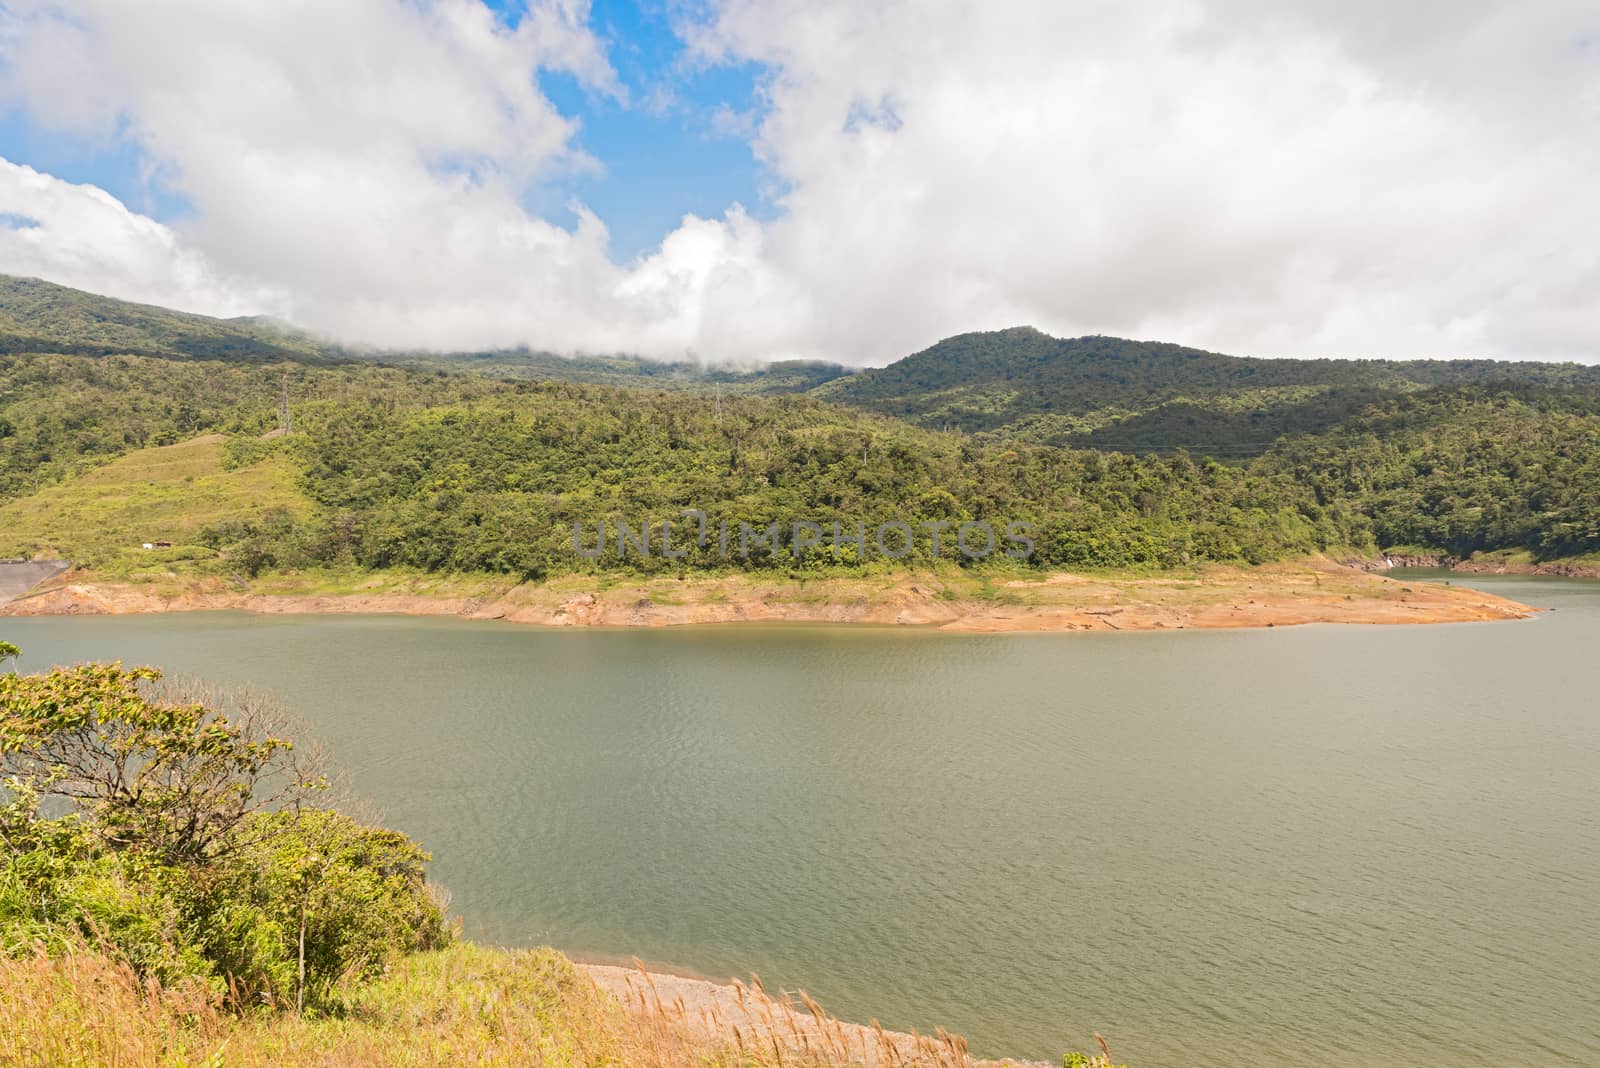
171,778
8,652
185,847
499,486
1106,392
1085,1060
58,888
360,892
234,921
1464,471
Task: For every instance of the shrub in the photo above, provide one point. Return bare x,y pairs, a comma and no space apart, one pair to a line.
185,844
319,888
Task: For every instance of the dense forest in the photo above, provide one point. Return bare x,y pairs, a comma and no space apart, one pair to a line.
1464,470
1108,453
1112,393
500,486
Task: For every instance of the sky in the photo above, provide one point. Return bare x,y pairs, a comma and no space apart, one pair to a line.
743,180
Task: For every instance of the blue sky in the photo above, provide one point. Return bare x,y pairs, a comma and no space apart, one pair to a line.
660,152
111,163
662,155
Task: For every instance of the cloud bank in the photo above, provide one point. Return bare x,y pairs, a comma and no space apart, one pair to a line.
1288,178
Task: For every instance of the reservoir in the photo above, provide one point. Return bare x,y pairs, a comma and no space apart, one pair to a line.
1298,846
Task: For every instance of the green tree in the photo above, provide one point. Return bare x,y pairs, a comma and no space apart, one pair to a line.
165,776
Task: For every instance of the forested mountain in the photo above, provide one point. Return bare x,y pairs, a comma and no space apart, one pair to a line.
1112,393
461,473
418,465
41,317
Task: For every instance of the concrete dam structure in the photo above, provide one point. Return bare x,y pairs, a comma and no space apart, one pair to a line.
18,577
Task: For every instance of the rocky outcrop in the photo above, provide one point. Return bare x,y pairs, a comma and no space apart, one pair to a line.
1389,561
1473,565
1492,566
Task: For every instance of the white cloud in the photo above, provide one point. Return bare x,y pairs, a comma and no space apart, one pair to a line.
84,237
367,156
1248,175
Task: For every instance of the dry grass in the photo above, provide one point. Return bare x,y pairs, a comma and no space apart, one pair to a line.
465,1006
82,1009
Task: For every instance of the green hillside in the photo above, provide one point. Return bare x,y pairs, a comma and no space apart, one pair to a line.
495,483
1112,393
1116,453
40,316
1464,470
785,376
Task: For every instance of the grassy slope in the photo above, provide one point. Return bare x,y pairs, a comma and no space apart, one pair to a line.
461,1006
103,516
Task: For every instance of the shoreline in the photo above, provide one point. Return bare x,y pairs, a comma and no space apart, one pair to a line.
1273,595
1481,564
739,1012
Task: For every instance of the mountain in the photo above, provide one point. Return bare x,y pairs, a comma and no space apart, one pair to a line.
1142,396
408,462
41,317
785,376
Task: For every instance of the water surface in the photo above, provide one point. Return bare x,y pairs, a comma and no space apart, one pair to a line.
1313,845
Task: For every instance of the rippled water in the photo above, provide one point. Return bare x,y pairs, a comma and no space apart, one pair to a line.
1314,845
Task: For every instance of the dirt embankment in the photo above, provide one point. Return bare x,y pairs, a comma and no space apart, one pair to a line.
793,1023
1275,595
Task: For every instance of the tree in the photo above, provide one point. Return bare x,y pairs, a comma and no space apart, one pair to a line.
154,771
8,652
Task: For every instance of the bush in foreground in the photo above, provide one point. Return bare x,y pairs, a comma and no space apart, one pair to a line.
178,837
